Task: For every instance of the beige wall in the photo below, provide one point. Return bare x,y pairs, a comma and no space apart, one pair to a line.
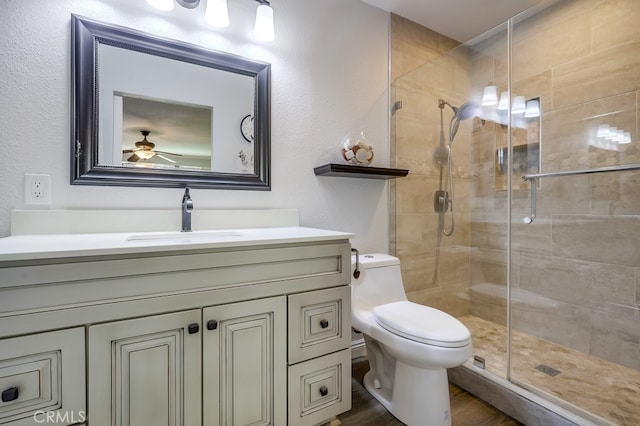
422,73
581,256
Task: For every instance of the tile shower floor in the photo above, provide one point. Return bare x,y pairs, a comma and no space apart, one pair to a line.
608,390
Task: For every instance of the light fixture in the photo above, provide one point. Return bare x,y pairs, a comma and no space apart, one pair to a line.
490,96
626,138
503,103
189,4
532,108
603,131
613,134
145,155
263,30
622,137
164,5
216,14
519,105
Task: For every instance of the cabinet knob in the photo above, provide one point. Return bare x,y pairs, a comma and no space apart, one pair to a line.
10,394
193,328
324,323
212,325
324,391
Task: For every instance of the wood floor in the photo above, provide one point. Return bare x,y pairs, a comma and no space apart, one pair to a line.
466,409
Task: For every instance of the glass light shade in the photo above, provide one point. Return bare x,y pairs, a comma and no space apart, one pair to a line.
622,137
532,108
263,30
503,103
164,5
519,105
490,96
626,138
145,155
217,14
603,131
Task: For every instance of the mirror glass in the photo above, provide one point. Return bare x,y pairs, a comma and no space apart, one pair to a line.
156,112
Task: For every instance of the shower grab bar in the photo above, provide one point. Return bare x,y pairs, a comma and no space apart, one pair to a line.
532,180
622,168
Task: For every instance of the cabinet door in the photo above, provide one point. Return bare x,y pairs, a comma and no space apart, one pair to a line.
244,365
146,371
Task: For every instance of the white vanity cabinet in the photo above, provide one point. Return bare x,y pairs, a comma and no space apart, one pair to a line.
42,377
146,371
245,363
156,367
183,334
319,355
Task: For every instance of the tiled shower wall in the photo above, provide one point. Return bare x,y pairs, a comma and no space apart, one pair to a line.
576,269
421,74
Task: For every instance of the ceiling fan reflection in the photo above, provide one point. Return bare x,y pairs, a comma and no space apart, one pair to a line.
144,150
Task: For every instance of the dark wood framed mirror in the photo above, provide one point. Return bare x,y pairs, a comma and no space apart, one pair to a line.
148,111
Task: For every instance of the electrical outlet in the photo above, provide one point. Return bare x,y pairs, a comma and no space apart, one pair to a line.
37,189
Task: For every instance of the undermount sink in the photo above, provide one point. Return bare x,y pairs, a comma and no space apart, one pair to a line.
186,237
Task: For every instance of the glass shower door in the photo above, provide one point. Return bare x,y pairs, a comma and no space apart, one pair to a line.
575,317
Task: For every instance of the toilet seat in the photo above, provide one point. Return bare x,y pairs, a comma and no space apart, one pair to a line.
422,324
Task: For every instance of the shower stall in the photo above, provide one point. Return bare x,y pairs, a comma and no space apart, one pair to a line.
543,263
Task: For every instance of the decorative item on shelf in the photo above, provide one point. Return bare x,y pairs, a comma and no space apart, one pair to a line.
356,150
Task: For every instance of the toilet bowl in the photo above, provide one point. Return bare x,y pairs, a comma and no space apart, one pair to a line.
409,346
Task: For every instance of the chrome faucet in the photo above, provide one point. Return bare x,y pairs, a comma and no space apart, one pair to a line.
187,206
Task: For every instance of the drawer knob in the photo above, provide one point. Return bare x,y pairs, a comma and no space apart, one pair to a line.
212,325
324,391
193,328
324,323
10,394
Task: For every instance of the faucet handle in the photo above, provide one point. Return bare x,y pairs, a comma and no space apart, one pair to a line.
187,206
186,199
187,203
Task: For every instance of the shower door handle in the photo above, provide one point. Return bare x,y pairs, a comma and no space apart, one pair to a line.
529,219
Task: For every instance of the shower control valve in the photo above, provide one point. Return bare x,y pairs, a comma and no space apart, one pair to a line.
441,201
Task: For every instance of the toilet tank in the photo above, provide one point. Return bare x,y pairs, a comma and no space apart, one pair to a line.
380,281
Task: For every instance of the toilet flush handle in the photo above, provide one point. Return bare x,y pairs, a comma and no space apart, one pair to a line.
356,271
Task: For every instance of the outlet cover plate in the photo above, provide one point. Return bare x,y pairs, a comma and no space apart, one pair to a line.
37,189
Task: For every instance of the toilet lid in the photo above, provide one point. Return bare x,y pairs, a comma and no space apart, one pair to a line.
422,324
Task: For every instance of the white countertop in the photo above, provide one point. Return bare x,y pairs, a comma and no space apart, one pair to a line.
59,246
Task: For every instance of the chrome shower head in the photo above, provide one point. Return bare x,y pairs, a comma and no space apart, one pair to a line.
464,112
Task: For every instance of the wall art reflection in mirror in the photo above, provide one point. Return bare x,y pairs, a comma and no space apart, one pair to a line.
148,111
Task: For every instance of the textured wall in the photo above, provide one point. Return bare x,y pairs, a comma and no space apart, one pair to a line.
329,77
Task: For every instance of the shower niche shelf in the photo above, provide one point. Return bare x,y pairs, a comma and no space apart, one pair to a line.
343,170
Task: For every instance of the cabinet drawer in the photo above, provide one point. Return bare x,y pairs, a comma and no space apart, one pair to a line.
319,323
42,374
320,388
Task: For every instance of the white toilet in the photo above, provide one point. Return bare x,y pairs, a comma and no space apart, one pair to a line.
409,346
